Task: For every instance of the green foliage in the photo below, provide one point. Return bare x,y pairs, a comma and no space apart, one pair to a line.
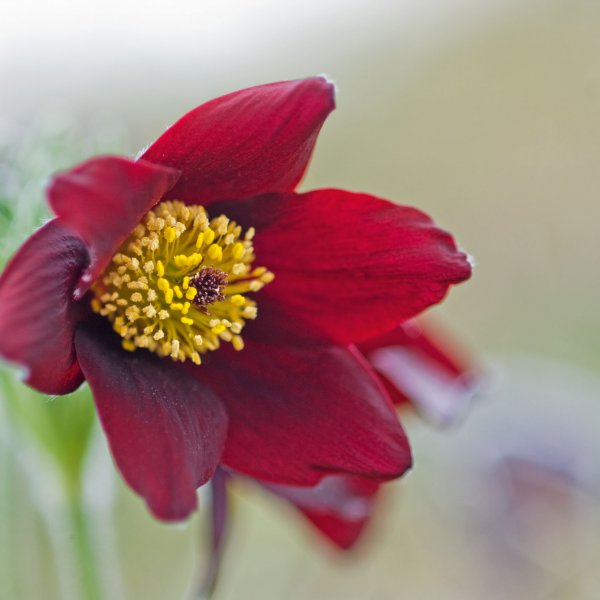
60,427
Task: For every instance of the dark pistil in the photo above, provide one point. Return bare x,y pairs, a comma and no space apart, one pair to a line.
210,283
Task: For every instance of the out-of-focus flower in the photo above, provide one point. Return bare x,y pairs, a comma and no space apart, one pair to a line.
133,285
426,367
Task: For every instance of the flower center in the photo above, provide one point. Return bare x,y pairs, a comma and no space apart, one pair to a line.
209,283
177,285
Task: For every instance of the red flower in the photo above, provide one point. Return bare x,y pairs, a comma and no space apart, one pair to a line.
131,286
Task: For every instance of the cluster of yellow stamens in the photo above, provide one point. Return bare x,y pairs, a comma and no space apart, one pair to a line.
177,285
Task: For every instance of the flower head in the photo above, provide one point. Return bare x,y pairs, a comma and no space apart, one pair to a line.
217,314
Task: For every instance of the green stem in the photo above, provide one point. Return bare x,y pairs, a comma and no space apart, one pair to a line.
83,549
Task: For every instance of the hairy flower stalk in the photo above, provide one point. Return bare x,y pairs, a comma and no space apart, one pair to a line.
178,284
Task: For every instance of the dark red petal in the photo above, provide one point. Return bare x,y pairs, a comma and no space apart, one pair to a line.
102,200
249,142
431,372
339,506
166,430
37,313
348,266
297,414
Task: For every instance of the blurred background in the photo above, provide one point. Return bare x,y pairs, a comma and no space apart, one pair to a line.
484,114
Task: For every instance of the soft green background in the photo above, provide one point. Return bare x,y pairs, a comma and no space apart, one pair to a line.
484,114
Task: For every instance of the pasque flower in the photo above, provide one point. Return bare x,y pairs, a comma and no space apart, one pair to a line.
218,315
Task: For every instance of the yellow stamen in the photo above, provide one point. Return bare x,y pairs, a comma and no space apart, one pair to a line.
180,260
238,300
238,251
194,260
170,234
215,252
209,236
178,285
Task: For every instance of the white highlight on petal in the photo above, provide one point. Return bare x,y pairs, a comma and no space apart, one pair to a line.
441,396
331,493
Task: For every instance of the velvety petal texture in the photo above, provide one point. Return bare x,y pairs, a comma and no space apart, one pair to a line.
347,266
165,429
246,143
428,368
339,506
102,200
37,314
297,414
